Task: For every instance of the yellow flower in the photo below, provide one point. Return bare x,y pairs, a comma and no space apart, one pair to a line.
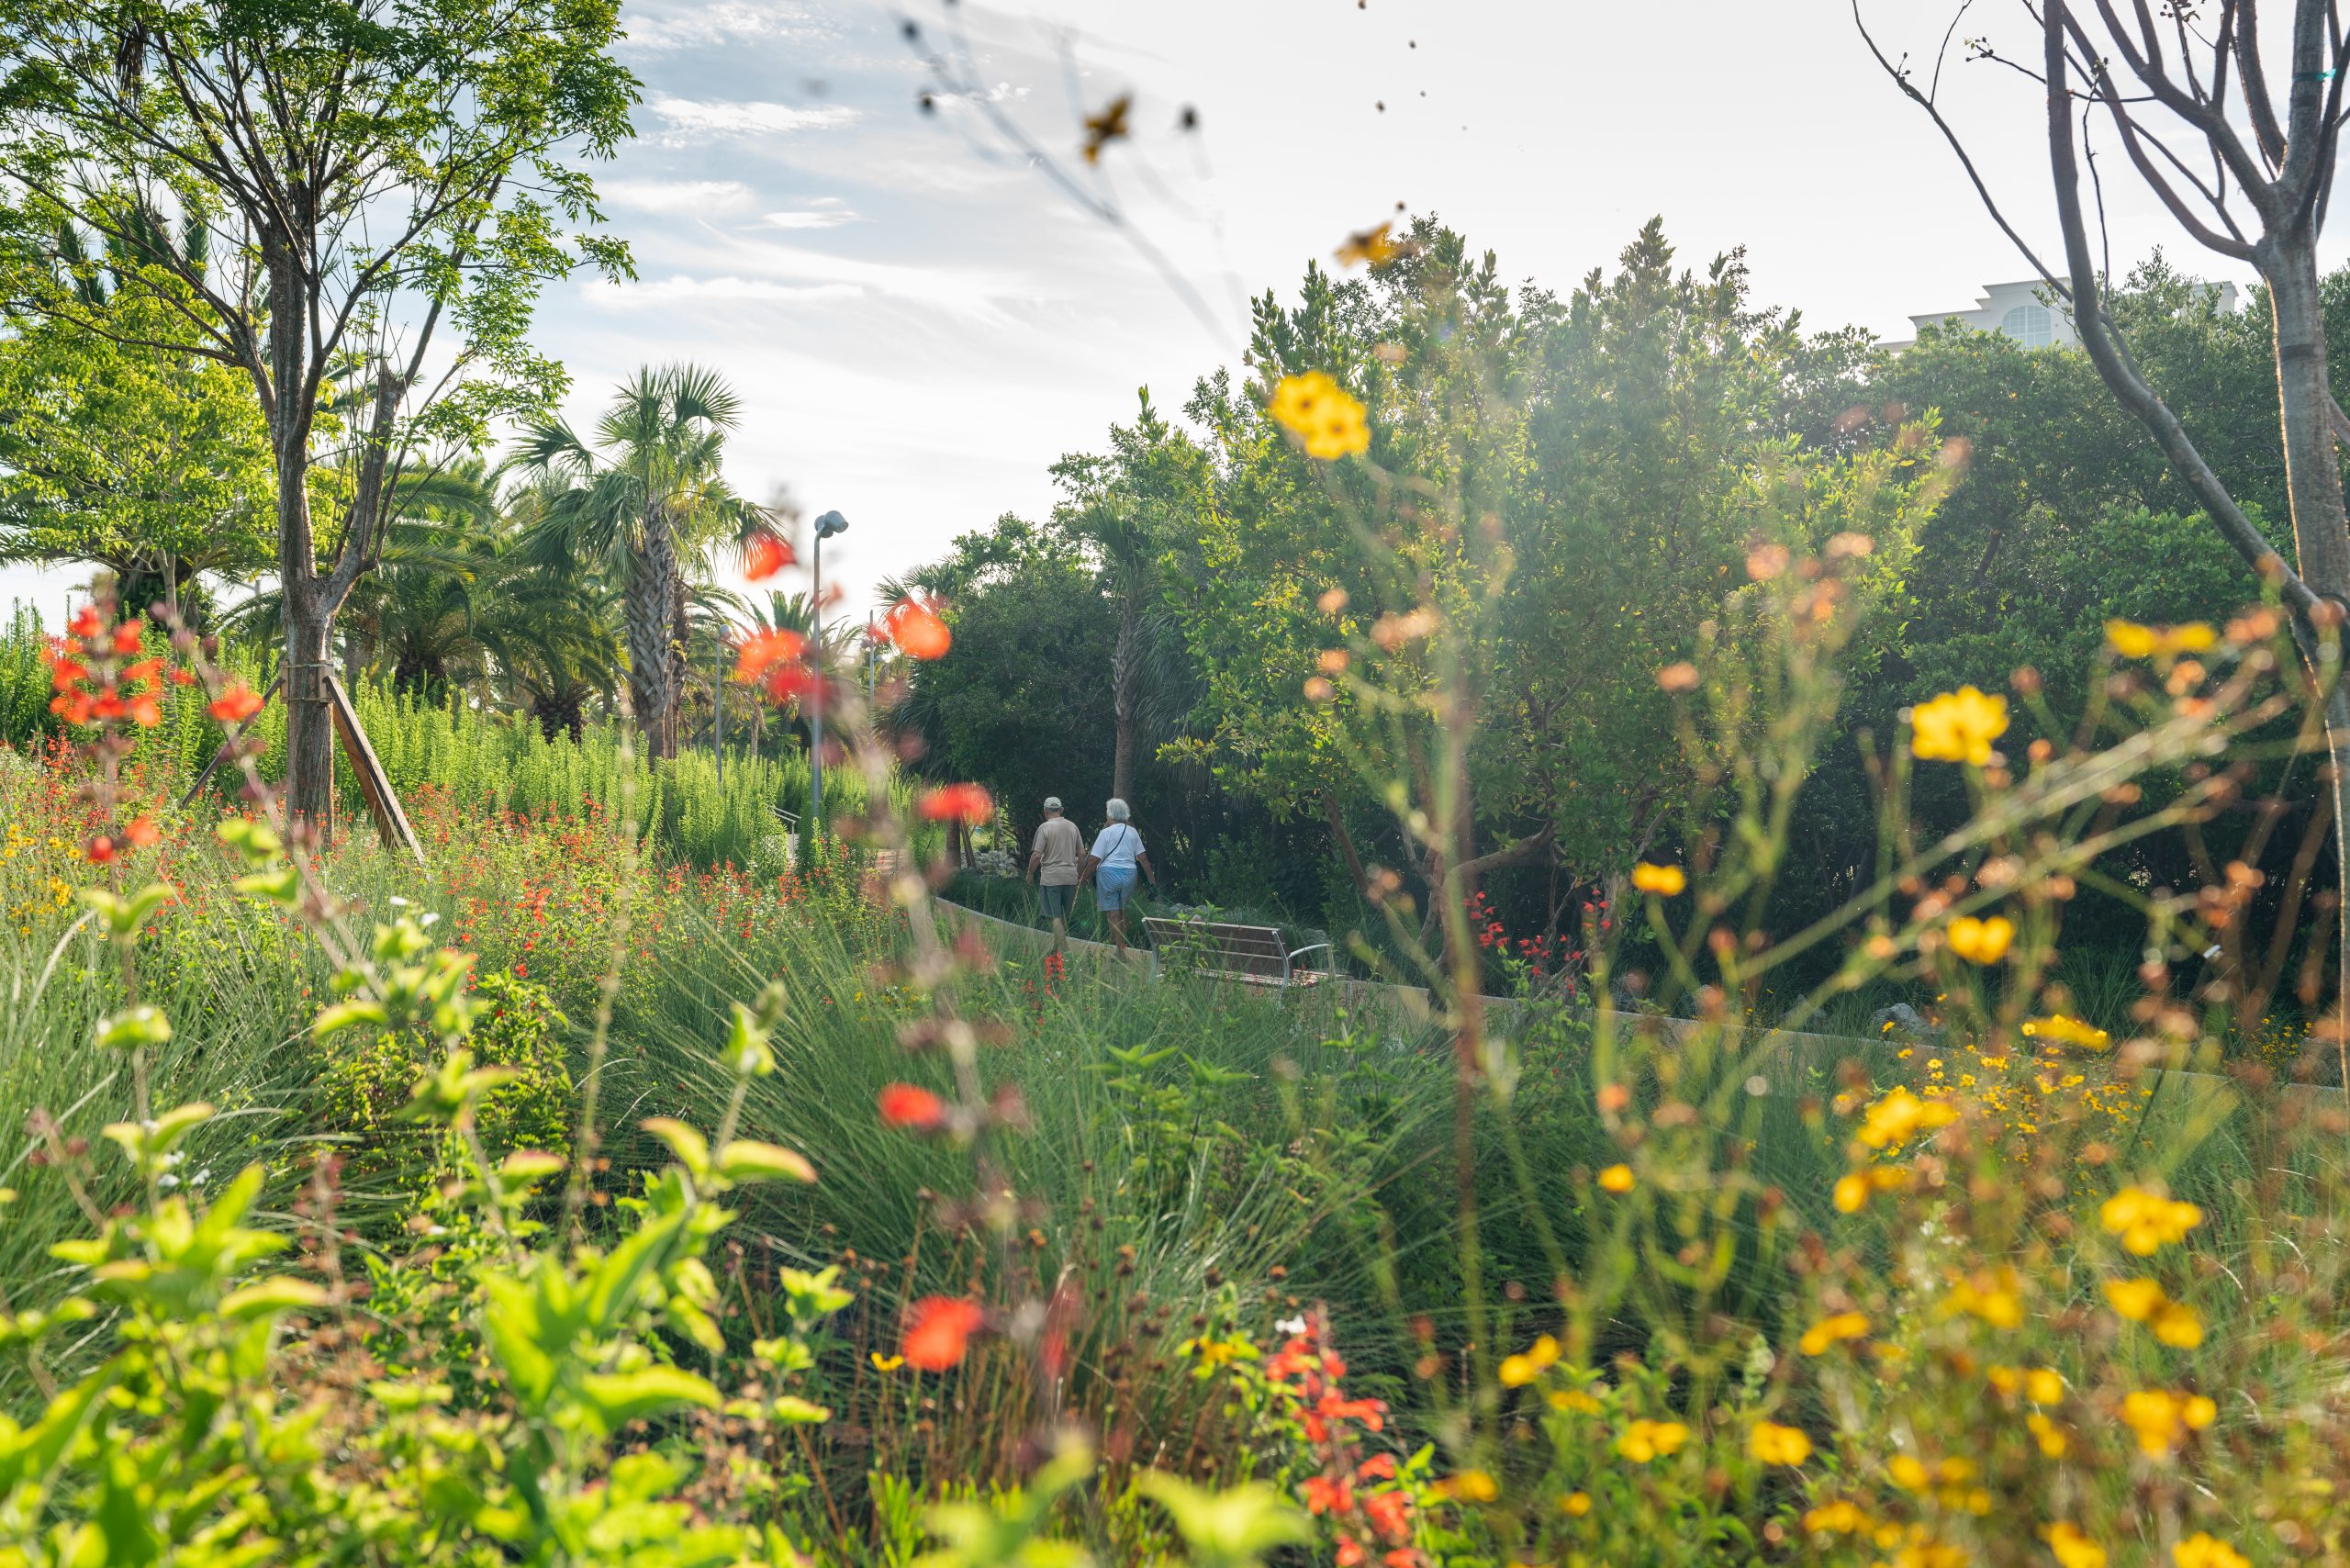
2203,1550
2073,1031
1907,1472
1981,941
2145,1222
2043,1385
886,1363
1470,1487
1372,246
1900,1115
1322,414
1990,1294
1575,1505
1842,1517
1616,1179
1519,1371
1831,1331
1851,1192
1958,726
2162,1419
2177,1326
2136,1300
1574,1399
1774,1444
1666,880
2132,640
1644,1440
2046,1433
2073,1549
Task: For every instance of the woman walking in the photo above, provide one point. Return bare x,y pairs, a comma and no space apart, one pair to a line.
1115,861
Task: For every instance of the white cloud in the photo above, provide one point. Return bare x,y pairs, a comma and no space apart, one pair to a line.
698,24
675,195
824,212
692,120
680,289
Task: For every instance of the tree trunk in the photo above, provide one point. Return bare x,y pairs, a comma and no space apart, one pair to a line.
680,673
1125,675
2313,483
645,606
309,721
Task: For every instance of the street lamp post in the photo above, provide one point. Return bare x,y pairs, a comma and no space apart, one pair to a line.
831,523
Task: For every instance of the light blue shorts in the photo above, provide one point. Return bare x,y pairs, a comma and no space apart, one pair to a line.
1112,885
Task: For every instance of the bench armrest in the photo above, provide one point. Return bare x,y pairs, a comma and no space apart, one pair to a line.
1317,947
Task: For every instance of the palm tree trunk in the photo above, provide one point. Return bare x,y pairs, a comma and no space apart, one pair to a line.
679,673
646,607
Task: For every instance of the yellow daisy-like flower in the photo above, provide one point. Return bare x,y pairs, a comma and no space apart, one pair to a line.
1324,416
2136,1300
1958,726
2048,1435
2162,1419
1575,1505
2145,1222
1519,1371
1774,1444
1981,941
2073,1549
2072,1031
1644,1440
1842,1517
2203,1550
2132,640
886,1363
1831,1331
1899,1117
2045,1385
1616,1179
1470,1487
2177,1326
1666,880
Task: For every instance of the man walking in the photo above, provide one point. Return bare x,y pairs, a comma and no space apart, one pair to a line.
1052,865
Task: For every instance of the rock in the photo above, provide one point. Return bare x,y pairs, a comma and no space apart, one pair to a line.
1902,1020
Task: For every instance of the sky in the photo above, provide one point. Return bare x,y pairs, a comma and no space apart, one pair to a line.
919,320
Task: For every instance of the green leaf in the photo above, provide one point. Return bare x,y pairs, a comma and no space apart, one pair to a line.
268,1298
618,1398
133,1027
687,1143
344,1015
747,1161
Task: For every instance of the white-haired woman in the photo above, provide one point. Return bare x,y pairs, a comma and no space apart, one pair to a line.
1116,860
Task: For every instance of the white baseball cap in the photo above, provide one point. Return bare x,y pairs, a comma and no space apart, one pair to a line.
1052,802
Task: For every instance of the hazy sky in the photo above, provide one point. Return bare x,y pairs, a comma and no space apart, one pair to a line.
918,322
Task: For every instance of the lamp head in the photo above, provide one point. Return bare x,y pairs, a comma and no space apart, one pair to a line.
831,523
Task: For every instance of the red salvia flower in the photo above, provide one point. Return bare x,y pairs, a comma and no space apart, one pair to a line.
967,804
761,651
938,1330
915,1109
235,705
765,554
918,631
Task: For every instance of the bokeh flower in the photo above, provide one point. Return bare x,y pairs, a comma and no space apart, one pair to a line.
1981,941
2145,1221
1666,880
910,1106
1644,1440
938,1331
1958,726
2132,640
1322,414
1616,1179
1774,1444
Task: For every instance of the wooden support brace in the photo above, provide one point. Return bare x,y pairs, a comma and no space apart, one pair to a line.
391,822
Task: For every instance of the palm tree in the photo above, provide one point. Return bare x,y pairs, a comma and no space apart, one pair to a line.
639,497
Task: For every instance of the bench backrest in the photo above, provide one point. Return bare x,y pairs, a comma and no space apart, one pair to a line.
1217,945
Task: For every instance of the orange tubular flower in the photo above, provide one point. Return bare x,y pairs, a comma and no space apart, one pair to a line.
235,705
763,555
938,1330
967,804
918,631
915,1109
762,651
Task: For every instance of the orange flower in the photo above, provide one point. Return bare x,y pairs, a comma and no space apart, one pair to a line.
918,631
915,1109
761,651
235,705
763,555
938,1330
967,804
142,832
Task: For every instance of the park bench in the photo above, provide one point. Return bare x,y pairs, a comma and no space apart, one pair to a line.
1254,954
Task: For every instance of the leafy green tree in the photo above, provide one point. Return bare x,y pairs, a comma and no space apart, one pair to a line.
386,184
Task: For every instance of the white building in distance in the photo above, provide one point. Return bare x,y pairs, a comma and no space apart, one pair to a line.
2015,309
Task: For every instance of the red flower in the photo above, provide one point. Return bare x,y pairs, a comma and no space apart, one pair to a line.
99,850
142,832
938,1330
763,555
86,622
126,636
917,1110
967,804
1323,1495
66,673
762,651
1378,1467
795,682
145,711
918,631
235,705
1390,1513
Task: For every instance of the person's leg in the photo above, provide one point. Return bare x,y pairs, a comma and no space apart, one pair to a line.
1118,930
